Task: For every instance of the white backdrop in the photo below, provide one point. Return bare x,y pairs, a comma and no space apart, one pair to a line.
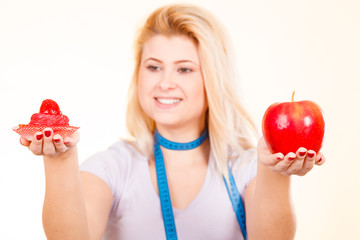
79,53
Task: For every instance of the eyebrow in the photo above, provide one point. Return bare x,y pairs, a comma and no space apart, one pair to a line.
176,62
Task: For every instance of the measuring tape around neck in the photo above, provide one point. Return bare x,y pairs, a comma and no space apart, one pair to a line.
164,194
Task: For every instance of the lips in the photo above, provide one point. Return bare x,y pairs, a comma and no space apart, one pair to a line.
168,100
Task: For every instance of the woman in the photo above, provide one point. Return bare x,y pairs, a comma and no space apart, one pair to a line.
183,89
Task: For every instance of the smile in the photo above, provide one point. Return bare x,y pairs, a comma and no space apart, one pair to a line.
168,101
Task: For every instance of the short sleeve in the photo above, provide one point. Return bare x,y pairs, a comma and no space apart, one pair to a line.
111,166
245,169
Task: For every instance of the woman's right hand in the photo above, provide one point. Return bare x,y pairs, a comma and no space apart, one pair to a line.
49,145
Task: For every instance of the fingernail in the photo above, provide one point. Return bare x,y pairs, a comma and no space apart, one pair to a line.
278,158
292,157
320,159
39,137
311,154
302,153
47,133
66,143
56,140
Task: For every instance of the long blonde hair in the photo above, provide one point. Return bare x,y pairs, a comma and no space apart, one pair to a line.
229,125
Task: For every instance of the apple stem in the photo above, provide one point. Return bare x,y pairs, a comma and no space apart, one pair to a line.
292,97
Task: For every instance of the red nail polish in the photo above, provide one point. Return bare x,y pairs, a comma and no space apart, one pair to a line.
39,137
311,154
320,159
291,158
301,154
56,140
47,133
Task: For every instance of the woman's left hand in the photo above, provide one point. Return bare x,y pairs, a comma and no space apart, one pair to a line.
298,163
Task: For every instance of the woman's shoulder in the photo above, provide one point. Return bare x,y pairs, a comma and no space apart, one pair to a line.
120,154
125,148
244,168
245,157
115,164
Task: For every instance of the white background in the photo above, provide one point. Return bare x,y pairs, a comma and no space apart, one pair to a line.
79,53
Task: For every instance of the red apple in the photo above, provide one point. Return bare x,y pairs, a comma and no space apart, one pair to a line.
289,125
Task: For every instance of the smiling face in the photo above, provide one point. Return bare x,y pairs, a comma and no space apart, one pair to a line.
171,87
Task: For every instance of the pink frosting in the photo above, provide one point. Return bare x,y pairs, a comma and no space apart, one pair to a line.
49,119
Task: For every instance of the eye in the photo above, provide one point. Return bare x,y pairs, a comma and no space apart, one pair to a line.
153,68
184,70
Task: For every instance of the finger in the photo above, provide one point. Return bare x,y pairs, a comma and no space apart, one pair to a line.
72,141
36,143
60,147
309,163
48,146
272,160
283,165
267,157
298,163
320,159
301,153
24,142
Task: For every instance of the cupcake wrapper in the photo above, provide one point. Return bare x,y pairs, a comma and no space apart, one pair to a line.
28,131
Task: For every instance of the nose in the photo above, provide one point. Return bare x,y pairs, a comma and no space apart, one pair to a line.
167,81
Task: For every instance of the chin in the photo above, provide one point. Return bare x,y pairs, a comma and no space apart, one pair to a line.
168,123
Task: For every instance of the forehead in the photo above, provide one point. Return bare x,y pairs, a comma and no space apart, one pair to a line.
171,48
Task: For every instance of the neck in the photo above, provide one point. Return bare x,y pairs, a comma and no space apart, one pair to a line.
199,155
181,134
185,152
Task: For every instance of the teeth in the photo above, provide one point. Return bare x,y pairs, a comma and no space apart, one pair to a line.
168,100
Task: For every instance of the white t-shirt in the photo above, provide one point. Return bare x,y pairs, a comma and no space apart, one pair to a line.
136,211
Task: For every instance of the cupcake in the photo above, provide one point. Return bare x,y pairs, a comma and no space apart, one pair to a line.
49,116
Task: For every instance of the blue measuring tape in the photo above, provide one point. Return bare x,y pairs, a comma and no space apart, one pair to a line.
236,203
165,200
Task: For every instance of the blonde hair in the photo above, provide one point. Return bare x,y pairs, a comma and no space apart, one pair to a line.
229,125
